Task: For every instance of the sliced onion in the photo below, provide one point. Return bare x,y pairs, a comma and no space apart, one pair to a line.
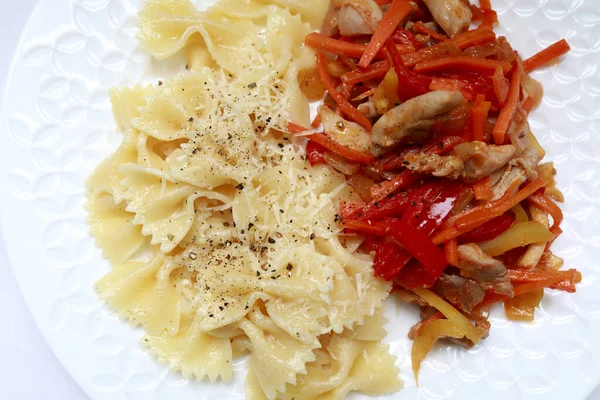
340,164
533,88
362,186
466,150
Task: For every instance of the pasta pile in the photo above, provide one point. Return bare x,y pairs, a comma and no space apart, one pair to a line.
222,239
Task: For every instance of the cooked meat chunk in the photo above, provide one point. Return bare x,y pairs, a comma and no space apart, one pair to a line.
519,169
346,133
462,292
368,108
358,17
484,159
454,16
448,166
528,160
476,160
489,272
414,119
351,18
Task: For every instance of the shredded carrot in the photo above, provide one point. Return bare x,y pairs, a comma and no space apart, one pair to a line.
420,27
498,207
347,49
316,122
364,95
501,86
490,17
350,63
395,14
342,103
345,90
451,252
528,105
479,115
377,70
481,35
332,145
322,42
482,214
461,63
483,189
510,107
447,48
547,55
531,280
549,206
382,2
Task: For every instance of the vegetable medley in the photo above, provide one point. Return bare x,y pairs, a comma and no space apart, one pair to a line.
425,112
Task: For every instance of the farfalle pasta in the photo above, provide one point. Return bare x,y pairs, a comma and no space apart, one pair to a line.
222,238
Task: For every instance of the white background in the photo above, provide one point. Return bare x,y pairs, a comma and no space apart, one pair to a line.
28,368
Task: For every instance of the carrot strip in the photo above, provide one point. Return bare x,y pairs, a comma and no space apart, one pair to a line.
447,48
528,105
547,55
490,17
322,42
483,189
479,114
482,214
451,252
364,95
501,86
498,207
420,27
316,122
510,107
346,49
550,207
377,70
462,63
342,103
333,146
481,35
396,13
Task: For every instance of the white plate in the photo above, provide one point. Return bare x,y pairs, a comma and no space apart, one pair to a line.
57,126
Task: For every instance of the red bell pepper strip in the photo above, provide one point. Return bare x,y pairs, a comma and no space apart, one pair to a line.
377,70
401,181
488,231
385,257
403,36
314,153
431,259
392,206
410,84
